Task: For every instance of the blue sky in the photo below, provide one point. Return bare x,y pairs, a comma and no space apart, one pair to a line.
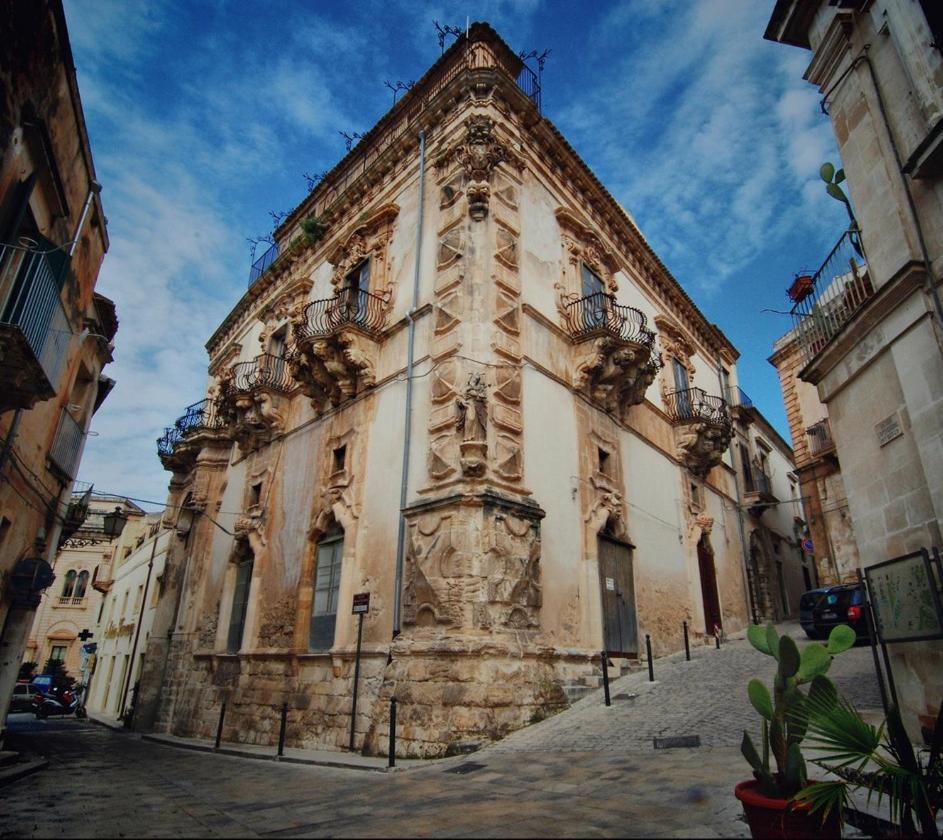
204,116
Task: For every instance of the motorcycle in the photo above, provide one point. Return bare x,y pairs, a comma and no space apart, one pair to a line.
64,702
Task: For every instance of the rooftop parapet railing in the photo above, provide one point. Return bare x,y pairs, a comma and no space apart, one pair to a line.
264,371
403,118
599,313
835,293
261,265
737,398
353,307
691,405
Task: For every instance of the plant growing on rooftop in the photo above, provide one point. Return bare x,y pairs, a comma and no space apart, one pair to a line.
313,229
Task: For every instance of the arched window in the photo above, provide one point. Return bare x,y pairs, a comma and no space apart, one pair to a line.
327,579
69,586
81,585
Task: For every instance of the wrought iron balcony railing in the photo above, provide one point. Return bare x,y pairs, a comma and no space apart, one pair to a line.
820,438
757,481
838,290
599,313
349,307
737,397
696,405
264,371
201,415
67,447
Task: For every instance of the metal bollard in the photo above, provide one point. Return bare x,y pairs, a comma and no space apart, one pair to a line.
219,727
281,731
651,665
717,640
605,676
687,646
392,750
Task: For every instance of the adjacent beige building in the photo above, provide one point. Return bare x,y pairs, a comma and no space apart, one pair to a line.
73,603
869,325
463,383
56,332
126,617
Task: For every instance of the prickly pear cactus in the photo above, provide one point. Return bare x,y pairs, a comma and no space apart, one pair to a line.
785,712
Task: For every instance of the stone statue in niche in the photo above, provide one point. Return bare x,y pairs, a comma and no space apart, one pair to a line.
472,423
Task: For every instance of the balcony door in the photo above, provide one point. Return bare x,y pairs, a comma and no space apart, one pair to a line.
356,287
682,386
594,299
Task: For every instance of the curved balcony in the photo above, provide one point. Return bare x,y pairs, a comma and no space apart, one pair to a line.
252,398
180,443
336,345
349,307
703,427
616,356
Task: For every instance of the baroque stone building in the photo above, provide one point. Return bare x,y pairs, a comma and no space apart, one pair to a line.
869,321
56,332
461,382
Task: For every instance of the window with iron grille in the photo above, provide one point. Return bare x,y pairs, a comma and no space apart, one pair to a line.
240,604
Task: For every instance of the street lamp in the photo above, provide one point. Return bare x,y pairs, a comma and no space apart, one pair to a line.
113,523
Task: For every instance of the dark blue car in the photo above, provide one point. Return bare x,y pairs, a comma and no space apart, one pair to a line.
807,604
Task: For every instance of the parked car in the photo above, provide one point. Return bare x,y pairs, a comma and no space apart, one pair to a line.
842,604
807,603
22,700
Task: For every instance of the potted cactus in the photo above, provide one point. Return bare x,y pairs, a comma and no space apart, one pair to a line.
769,798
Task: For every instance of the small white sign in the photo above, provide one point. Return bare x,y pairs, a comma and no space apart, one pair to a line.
610,584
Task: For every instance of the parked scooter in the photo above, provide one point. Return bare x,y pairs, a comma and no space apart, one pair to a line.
61,702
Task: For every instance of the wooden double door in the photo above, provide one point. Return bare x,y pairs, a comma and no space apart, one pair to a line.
617,585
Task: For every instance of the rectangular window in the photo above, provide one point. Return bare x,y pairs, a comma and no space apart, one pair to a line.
747,469
58,653
327,581
592,282
240,604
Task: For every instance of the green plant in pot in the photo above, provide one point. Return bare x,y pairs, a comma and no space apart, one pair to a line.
768,799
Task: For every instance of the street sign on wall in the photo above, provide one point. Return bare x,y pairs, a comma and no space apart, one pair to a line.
361,603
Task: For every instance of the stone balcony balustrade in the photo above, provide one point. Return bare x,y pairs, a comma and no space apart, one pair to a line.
703,427
253,397
336,344
181,443
617,359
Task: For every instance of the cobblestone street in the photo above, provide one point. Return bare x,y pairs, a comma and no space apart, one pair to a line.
590,771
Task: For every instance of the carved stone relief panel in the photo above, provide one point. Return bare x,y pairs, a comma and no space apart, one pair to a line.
675,344
473,567
371,238
581,245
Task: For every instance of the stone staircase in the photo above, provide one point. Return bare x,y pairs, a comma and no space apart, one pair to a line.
591,682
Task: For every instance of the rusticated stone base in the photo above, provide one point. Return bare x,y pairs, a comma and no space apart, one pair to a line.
460,691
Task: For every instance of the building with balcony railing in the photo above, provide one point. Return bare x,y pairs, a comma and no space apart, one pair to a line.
466,405
871,331
56,332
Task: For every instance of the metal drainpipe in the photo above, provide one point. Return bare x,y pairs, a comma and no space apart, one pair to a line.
407,431
93,189
747,579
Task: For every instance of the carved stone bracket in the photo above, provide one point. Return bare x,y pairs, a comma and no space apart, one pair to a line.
614,372
702,444
335,367
252,416
478,153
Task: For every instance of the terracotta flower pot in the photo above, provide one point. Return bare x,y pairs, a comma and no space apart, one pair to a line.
782,819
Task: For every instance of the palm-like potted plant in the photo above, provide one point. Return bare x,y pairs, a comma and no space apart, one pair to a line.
769,798
880,759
